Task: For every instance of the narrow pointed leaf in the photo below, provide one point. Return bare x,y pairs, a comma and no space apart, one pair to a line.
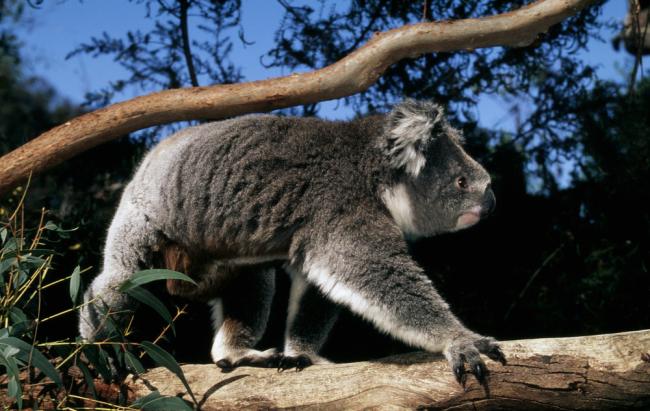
165,359
156,402
75,282
147,276
152,301
133,363
38,359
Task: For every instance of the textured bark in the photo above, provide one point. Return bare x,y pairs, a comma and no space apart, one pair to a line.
352,74
585,373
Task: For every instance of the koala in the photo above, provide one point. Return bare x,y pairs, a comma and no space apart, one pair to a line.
334,202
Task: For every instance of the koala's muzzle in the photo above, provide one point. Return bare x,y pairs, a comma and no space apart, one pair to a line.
489,202
485,207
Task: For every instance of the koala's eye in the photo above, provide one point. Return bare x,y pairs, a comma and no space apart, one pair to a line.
461,183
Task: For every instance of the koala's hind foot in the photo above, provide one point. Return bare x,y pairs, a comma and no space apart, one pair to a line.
240,318
310,318
467,349
248,357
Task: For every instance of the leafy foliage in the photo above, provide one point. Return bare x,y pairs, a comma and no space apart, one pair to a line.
25,288
164,56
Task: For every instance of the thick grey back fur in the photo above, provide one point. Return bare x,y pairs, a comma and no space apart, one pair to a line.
244,187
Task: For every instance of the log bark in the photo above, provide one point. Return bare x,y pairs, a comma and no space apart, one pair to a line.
582,373
354,73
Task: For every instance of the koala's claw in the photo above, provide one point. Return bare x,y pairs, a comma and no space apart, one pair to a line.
497,355
299,362
490,347
468,350
480,372
459,373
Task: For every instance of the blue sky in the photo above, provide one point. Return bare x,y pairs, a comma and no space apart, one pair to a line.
51,32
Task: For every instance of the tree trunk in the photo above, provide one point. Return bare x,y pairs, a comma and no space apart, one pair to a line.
585,373
354,73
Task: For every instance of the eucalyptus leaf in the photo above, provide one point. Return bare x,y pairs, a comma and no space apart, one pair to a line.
133,363
75,283
6,264
92,353
90,382
38,360
13,386
165,359
147,298
147,276
156,402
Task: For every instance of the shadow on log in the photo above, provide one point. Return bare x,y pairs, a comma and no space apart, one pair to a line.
583,373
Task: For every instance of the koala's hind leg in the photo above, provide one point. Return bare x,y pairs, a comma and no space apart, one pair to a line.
129,248
240,317
309,321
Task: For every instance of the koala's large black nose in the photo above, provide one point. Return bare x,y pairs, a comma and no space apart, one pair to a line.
489,202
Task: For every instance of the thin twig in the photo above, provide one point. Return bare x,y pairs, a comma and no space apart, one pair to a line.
639,40
186,43
426,11
179,312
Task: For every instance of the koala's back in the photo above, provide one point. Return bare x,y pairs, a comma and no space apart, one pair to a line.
243,186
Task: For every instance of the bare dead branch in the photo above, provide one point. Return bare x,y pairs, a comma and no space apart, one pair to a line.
352,74
579,373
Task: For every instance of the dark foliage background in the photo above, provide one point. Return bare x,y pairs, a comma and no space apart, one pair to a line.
553,260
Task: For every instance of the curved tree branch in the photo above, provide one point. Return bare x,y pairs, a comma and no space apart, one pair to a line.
352,74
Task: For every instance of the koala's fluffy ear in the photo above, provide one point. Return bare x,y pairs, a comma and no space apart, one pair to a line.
409,129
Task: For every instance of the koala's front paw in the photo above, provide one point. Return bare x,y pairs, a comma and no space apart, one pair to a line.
467,349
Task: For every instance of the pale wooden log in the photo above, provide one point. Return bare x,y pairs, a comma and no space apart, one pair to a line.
354,73
586,373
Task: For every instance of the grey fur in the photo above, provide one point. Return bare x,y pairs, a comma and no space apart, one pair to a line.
335,200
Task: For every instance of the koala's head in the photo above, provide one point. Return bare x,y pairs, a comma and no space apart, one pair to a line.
439,187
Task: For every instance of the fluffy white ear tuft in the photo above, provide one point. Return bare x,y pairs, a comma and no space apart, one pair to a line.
409,129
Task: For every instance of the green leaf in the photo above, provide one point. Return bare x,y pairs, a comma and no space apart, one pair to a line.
147,276
105,359
13,390
133,363
3,235
157,402
11,245
13,387
162,357
75,282
10,351
20,278
38,359
152,301
6,264
17,316
92,353
90,382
